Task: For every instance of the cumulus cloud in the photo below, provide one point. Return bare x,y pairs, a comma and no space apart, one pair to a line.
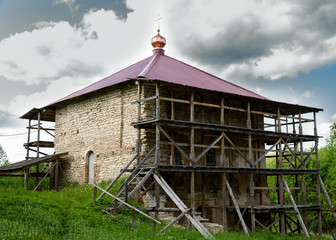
266,39
12,19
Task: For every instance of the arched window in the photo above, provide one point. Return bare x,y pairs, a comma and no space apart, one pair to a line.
91,166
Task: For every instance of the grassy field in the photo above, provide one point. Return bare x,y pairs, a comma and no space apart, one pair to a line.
71,214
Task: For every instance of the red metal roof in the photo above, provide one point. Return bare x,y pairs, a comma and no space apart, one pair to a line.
167,69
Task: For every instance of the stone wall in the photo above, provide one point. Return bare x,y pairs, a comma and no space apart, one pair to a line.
98,122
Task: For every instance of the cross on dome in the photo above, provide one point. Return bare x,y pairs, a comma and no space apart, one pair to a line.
158,41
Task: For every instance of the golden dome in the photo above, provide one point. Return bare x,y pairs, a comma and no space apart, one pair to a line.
158,42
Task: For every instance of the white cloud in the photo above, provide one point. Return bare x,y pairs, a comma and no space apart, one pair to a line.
308,94
333,117
259,89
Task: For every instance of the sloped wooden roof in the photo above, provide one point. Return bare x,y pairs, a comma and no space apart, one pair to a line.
22,165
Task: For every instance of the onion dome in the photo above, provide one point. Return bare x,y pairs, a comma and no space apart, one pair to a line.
158,41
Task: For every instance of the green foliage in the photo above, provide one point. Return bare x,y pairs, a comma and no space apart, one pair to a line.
3,157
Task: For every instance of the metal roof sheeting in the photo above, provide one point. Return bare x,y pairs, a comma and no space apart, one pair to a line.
167,69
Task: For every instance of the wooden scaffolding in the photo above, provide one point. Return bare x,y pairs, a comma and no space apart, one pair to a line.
270,130
35,155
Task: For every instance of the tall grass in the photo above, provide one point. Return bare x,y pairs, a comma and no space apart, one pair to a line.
71,214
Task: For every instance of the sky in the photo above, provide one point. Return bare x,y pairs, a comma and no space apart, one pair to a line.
284,50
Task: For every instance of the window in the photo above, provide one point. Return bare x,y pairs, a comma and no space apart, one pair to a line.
211,157
177,155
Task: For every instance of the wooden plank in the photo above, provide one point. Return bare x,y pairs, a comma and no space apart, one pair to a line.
143,180
175,220
303,226
174,100
208,148
118,176
199,226
125,203
26,178
49,170
236,206
174,143
56,174
235,147
326,196
145,99
94,194
263,156
306,160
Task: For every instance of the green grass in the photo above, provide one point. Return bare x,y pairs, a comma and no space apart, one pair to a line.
71,214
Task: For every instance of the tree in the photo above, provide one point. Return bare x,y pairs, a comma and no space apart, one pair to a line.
3,157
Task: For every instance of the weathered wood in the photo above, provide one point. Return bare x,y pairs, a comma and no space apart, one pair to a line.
174,143
138,143
174,100
330,229
56,174
28,138
47,173
183,207
235,147
236,206
157,131
125,203
306,160
326,195
140,184
208,148
133,220
26,178
231,108
122,171
303,225
94,194
270,149
175,220
145,99
135,171
318,190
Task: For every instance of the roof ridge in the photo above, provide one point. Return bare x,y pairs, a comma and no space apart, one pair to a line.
149,65
215,76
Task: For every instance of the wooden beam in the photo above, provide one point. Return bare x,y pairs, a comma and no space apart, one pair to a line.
145,99
174,143
263,156
236,206
326,195
122,171
48,172
125,203
157,116
303,225
175,220
56,174
237,149
208,148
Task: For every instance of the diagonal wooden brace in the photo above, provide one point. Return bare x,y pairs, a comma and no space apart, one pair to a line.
235,147
174,143
208,148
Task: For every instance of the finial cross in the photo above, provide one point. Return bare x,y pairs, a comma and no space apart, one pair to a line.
158,20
